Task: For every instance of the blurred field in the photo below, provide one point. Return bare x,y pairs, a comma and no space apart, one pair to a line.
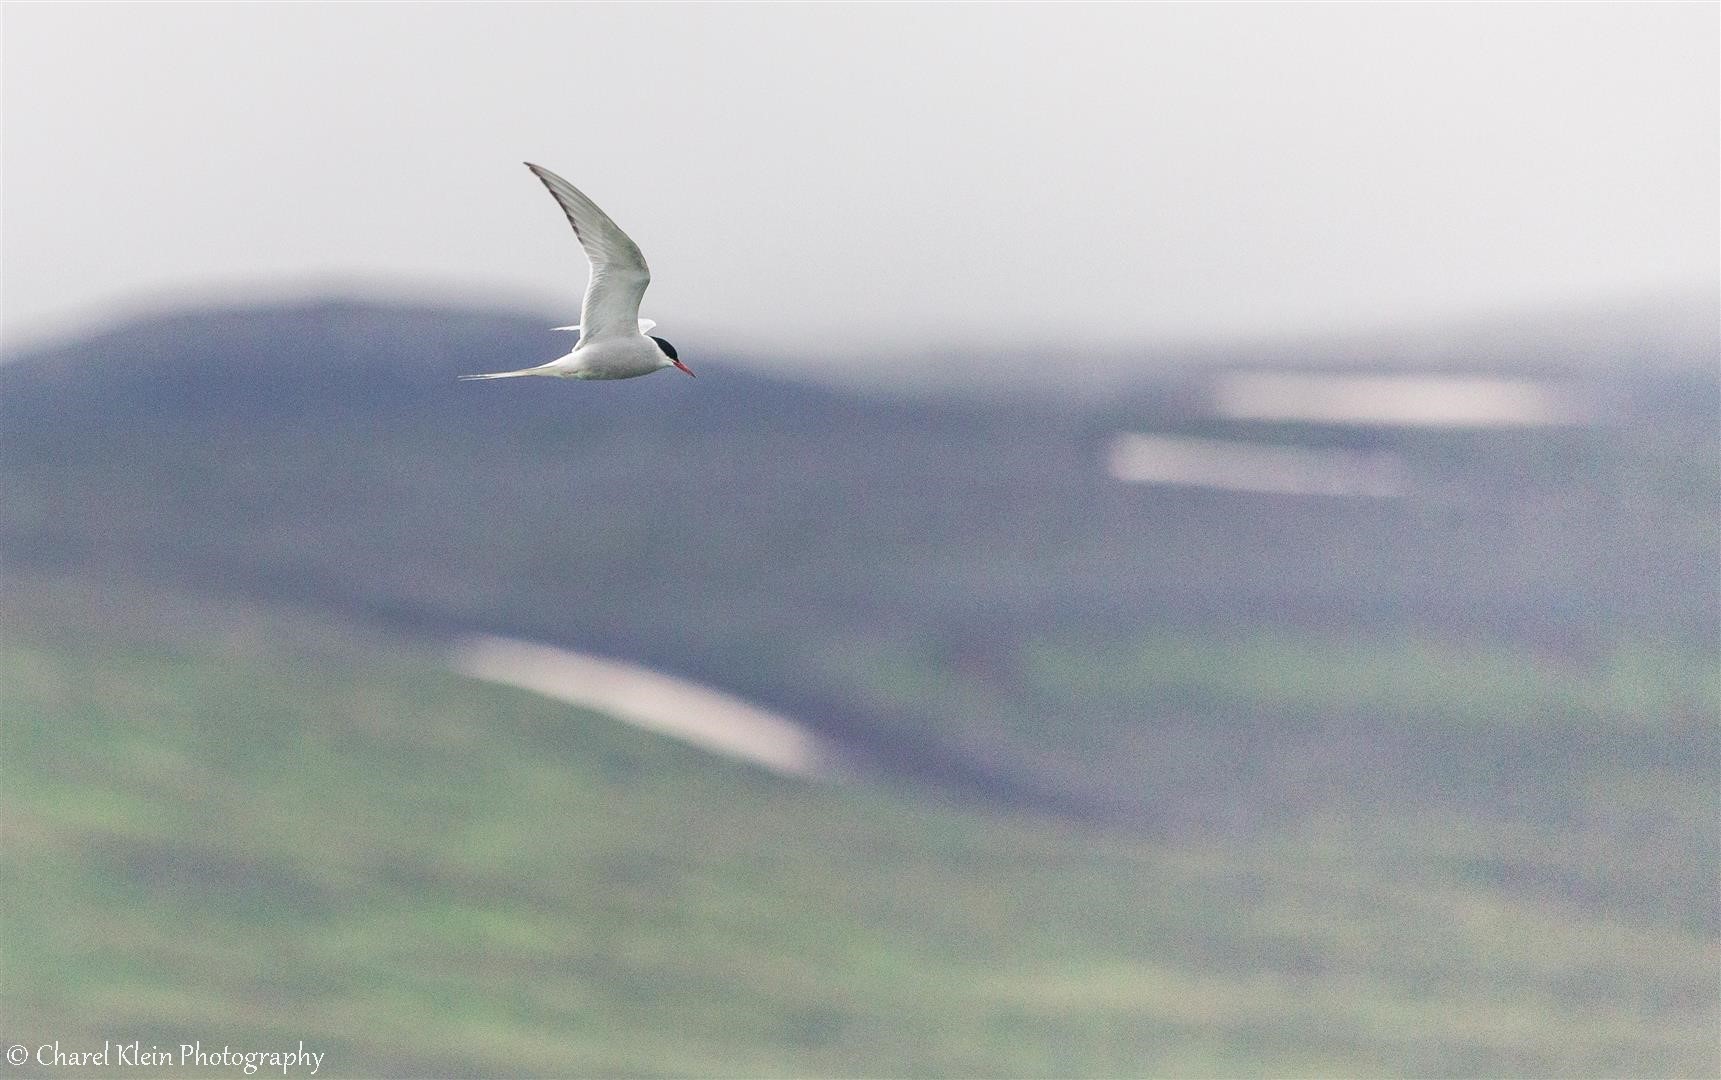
421,875
1160,781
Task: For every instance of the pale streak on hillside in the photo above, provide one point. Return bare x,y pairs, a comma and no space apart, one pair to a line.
1396,399
650,700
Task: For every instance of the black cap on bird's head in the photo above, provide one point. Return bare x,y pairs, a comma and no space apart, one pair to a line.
668,351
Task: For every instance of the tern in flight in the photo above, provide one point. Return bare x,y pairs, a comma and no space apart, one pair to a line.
614,341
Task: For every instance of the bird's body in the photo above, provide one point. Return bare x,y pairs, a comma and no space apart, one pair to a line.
613,341
622,356
605,358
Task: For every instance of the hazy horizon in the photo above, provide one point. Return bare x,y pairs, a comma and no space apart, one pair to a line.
938,177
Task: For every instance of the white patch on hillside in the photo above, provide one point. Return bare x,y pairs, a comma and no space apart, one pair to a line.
648,699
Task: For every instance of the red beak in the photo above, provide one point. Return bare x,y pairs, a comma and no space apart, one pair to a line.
684,367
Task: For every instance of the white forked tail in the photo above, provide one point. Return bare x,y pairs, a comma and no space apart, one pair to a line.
508,374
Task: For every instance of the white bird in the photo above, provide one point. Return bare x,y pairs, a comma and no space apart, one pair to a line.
614,343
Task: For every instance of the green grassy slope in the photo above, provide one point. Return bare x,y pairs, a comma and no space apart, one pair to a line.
419,874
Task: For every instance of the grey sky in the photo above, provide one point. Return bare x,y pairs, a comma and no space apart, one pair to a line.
817,179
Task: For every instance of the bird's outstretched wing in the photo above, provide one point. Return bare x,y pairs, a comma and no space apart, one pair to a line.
619,273
645,326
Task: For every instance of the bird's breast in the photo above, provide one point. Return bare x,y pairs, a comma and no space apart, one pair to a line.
616,358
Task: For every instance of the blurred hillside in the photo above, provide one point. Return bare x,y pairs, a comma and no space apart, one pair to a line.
1435,763
956,586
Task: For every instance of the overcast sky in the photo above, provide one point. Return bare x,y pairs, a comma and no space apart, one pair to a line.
821,179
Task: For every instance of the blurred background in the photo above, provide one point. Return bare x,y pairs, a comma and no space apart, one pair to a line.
1193,550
